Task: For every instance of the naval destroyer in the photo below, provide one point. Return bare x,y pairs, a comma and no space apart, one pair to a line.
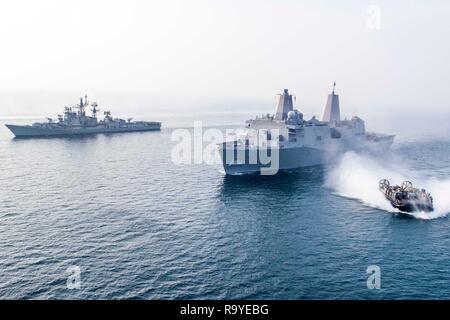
286,140
76,122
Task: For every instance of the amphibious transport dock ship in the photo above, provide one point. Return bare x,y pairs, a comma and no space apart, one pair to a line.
76,122
286,140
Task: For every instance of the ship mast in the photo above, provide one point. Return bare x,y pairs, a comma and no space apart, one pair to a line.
331,113
81,107
94,109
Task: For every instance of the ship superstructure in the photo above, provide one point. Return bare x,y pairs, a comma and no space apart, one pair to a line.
286,140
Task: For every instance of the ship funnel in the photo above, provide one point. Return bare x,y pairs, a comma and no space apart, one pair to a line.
284,105
331,112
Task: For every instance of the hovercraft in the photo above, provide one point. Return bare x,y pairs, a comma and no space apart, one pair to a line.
407,198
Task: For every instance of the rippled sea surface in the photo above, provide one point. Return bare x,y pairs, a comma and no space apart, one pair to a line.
140,227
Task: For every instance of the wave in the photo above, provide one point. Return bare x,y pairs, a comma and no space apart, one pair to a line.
357,175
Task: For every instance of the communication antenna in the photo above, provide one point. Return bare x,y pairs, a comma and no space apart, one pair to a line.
94,109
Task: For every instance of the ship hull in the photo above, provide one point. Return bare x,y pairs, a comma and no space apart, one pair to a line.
33,132
414,207
288,159
407,206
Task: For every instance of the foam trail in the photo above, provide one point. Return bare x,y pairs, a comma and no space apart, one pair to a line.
357,176
440,190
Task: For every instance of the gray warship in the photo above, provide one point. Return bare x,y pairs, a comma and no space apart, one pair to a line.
74,122
286,141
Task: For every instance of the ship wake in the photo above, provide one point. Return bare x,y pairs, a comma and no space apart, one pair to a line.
357,175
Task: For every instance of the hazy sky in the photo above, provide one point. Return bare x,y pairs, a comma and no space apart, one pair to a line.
383,54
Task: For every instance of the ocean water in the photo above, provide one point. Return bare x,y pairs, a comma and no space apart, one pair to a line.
139,227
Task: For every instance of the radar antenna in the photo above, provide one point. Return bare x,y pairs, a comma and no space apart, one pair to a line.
107,114
95,109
